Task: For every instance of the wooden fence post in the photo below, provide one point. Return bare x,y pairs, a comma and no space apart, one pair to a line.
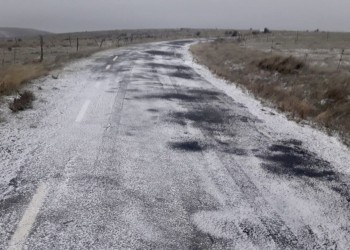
77,44
41,48
271,45
3,57
341,58
14,55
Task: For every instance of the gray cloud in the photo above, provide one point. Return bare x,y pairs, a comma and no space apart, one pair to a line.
81,15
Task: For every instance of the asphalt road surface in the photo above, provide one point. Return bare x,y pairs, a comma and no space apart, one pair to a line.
141,148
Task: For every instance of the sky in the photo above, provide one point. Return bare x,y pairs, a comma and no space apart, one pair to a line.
90,15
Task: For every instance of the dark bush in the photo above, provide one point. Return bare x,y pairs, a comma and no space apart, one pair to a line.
267,31
283,65
23,102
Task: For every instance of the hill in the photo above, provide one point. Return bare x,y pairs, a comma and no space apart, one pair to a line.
19,32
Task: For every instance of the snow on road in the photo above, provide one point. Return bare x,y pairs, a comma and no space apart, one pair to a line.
143,148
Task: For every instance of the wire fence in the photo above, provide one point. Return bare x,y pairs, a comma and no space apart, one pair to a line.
24,51
315,48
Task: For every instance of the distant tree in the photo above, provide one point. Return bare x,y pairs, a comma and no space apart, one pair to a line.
198,33
266,31
235,33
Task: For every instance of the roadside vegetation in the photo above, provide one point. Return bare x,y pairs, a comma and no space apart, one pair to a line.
22,102
317,91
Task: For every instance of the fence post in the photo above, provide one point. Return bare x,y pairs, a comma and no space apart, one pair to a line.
70,41
77,44
341,58
41,48
3,57
102,41
14,55
271,45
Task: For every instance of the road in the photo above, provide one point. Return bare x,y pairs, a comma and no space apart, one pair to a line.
142,148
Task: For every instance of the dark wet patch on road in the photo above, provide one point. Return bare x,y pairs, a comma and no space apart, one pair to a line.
184,75
343,189
192,146
236,151
144,76
169,66
160,53
153,110
291,159
169,96
190,97
204,92
116,69
292,142
134,90
244,119
181,43
12,201
208,115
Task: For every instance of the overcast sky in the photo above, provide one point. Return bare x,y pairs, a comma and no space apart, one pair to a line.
83,15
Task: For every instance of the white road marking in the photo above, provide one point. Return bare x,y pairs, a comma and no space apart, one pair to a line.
28,219
83,111
115,58
108,67
97,85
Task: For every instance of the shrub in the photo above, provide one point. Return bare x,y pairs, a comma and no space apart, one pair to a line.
266,31
23,102
283,65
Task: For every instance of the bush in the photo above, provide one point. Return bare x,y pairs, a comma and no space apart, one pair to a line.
235,33
23,102
283,65
267,31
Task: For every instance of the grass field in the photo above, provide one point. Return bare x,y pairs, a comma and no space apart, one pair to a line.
300,73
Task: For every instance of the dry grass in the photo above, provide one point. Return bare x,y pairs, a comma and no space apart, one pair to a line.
23,102
12,77
318,94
